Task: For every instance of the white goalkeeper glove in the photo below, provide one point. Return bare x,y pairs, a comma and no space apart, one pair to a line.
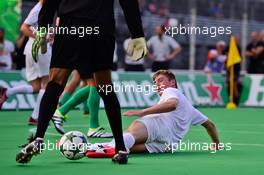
137,49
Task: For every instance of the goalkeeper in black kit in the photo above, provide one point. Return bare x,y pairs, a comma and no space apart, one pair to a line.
91,55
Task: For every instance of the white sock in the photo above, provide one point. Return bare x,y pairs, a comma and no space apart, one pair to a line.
35,112
128,139
23,89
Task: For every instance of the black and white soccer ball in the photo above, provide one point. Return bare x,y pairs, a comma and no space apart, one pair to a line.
73,145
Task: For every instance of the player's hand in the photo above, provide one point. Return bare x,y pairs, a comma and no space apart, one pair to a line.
131,113
137,49
152,57
40,42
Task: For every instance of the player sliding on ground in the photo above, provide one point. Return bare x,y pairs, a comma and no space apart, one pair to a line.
164,123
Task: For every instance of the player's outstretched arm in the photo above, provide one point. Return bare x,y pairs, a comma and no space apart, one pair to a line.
137,47
167,106
25,29
133,17
211,130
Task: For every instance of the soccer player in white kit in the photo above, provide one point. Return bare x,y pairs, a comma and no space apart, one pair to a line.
36,73
165,123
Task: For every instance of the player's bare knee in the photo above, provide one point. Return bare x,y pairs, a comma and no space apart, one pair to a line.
59,76
139,131
36,86
103,77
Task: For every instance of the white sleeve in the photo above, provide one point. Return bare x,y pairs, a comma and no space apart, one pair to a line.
174,44
198,118
32,18
169,93
150,42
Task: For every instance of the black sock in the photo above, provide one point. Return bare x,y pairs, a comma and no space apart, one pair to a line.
47,107
113,111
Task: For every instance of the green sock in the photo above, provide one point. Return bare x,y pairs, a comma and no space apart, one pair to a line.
85,106
66,96
93,104
78,97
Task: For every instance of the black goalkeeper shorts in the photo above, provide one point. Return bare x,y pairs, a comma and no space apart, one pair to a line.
87,54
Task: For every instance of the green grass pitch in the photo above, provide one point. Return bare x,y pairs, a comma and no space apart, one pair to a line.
244,128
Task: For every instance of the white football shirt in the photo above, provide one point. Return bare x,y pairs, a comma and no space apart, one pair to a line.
177,123
162,47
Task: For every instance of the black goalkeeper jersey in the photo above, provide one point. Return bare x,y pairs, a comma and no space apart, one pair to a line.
100,12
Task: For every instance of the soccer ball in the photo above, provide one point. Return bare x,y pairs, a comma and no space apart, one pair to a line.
73,145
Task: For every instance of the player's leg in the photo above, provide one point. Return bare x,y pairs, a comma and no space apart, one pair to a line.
57,80
5,93
64,59
78,97
60,115
36,84
134,138
85,103
137,134
139,148
113,111
112,106
70,88
43,83
93,103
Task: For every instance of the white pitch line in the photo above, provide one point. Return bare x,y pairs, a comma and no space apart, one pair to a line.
234,131
86,126
248,144
237,124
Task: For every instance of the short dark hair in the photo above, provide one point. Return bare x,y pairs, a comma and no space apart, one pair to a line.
170,75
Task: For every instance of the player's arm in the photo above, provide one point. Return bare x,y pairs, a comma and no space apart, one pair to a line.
47,12
175,52
176,49
133,17
137,47
25,29
168,106
211,130
259,50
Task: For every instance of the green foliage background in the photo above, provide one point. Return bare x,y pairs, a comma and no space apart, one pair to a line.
10,15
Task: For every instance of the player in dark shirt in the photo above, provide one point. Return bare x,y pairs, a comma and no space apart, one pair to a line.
253,58
91,55
260,54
